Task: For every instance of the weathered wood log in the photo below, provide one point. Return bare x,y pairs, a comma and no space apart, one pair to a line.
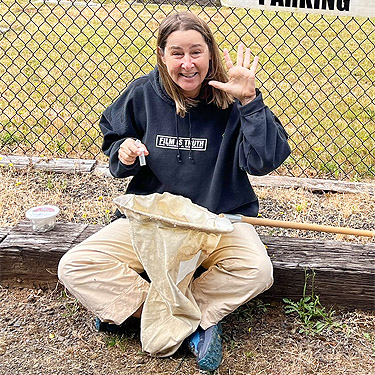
344,272
60,165
3,233
30,259
313,184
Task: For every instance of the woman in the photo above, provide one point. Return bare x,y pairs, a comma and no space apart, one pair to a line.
202,130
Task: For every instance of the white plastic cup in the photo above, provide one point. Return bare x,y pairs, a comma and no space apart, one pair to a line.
43,218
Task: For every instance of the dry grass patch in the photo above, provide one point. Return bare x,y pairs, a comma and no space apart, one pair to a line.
87,198
82,198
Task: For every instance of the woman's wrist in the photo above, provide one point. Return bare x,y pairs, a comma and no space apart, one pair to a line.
247,99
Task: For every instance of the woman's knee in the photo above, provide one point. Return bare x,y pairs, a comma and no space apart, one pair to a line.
63,268
255,270
265,272
75,264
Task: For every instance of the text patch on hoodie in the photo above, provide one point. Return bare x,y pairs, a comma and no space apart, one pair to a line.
196,144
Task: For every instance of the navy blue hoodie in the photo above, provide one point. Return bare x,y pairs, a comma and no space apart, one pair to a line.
204,156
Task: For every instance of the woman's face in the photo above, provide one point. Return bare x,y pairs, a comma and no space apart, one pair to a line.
187,58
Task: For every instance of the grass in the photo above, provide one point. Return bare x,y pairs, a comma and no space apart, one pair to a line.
63,65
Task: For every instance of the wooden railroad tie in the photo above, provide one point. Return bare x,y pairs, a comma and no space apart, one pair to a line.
344,271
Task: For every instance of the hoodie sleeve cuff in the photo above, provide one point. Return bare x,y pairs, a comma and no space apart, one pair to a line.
254,106
116,167
120,170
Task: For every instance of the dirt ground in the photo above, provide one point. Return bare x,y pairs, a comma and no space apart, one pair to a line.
46,332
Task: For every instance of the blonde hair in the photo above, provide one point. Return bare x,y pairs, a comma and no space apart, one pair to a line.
184,21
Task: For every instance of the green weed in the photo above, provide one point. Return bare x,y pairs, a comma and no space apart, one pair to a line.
9,138
313,318
371,340
50,184
300,207
117,341
71,305
256,306
250,354
331,168
250,309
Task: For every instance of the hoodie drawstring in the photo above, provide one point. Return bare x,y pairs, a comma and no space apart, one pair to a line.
191,157
178,142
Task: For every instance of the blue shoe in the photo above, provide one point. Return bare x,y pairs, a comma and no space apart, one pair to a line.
206,346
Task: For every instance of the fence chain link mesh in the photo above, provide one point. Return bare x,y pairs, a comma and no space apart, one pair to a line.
63,62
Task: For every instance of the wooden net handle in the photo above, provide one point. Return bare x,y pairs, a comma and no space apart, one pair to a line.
301,226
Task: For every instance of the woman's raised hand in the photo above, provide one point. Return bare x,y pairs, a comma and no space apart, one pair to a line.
241,82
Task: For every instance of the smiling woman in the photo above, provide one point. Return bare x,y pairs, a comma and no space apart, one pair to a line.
202,126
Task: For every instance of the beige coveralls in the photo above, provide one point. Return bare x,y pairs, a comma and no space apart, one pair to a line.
103,274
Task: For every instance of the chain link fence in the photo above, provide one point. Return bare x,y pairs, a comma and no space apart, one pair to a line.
63,62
